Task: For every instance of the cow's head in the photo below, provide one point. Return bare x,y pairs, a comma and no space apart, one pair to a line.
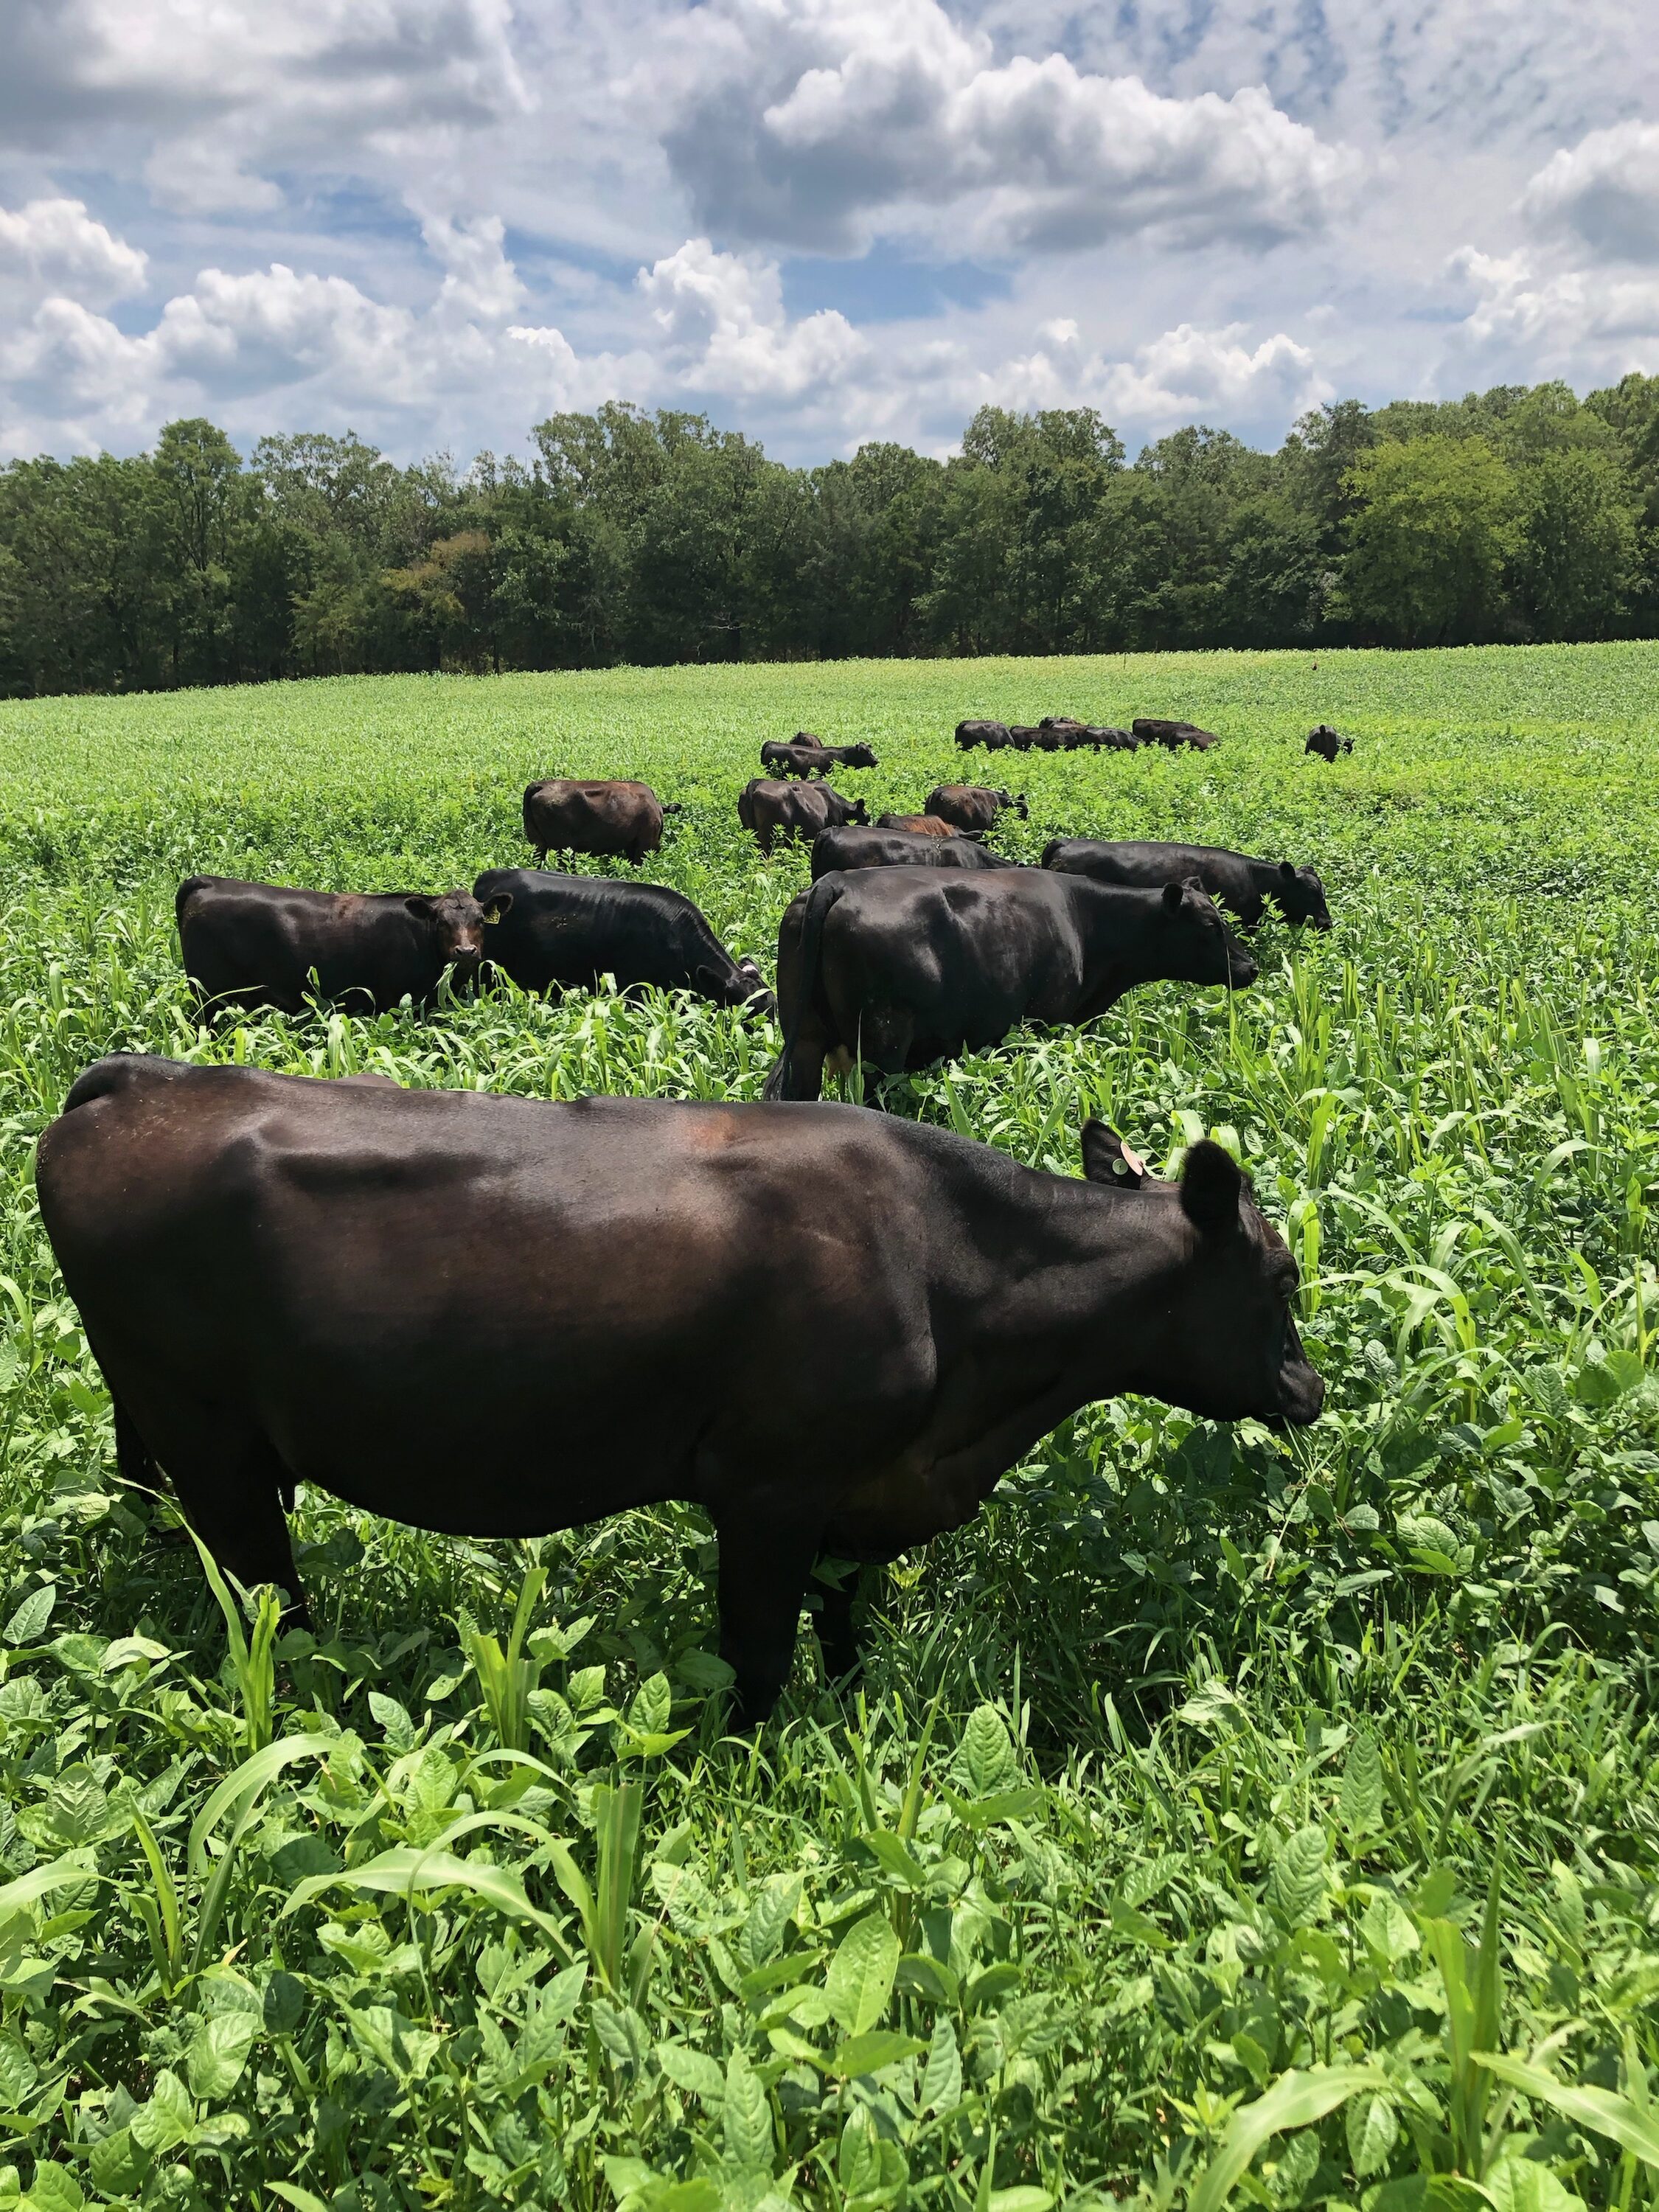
1301,896
1016,801
1195,945
858,813
858,755
1221,1337
457,923
746,989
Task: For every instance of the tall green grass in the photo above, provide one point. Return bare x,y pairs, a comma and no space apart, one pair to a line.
1223,1815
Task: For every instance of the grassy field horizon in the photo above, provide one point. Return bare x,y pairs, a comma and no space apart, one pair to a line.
1222,1815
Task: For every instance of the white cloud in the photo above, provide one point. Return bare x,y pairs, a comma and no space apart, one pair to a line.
1593,315
823,124
724,318
1184,372
52,244
1604,192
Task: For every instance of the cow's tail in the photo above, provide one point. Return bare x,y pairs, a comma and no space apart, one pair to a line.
819,900
134,1461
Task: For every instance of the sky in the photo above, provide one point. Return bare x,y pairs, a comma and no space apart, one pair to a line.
821,222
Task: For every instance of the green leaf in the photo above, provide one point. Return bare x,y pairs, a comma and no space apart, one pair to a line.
1361,1802
1373,2131
77,1809
18,2074
769,1915
1295,2100
407,1870
118,2165
301,2199
1296,1887
166,2120
1142,1883
1604,2110
55,2189
869,2053
692,2070
1022,2199
219,2050
860,1977
654,1703
747,2119
858,2160
1387,1928
1524,2185
941,2077
393,1718
987,1755
28,1623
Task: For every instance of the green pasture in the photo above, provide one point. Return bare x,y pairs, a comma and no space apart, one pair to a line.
1223,1816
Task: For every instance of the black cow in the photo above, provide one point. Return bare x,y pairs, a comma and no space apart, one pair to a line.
1023,736
1232,878
973,808
608,818
904,966
498,1316
1173,735
1327,743
567,931
774,810
1065,729
815,759
993,736
838,850
1106,738
260,944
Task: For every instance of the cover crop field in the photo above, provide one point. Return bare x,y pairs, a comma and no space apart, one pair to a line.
1223,1815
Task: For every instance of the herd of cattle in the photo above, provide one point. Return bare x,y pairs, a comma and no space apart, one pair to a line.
369,1288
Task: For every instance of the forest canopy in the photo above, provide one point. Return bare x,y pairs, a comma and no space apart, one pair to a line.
1522,512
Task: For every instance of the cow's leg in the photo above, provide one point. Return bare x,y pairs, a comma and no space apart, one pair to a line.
228,1481
767,1550
837,1637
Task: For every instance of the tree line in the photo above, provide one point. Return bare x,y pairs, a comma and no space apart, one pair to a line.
1521,512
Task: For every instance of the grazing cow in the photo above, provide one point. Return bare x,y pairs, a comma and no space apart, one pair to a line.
609,819
794,809
1023,736
973,808
918,825
500,1316
1173,735
993,736
838,850
904,966
1327,743
1105,737
1064,731
567,931
1233,879
816,759
260,944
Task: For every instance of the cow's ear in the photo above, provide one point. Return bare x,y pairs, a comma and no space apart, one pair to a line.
1287,873
420,907
1210,1187
1108,1159
1173,894
498,906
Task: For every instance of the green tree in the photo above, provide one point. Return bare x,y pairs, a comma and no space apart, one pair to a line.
1432,536
1577,556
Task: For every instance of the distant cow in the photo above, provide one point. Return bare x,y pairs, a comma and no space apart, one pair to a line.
775,809
973,808
498,1316
1174,735
898,848
904,966
260,944
1069,733
918,825
1023,736
816,759
1327,743
566,932
1106,738
993,736
1232,878
624,820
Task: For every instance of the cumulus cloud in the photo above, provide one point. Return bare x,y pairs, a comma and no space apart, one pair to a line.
1182,373
52,245
724,318
823,124
1603,191
1595,313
